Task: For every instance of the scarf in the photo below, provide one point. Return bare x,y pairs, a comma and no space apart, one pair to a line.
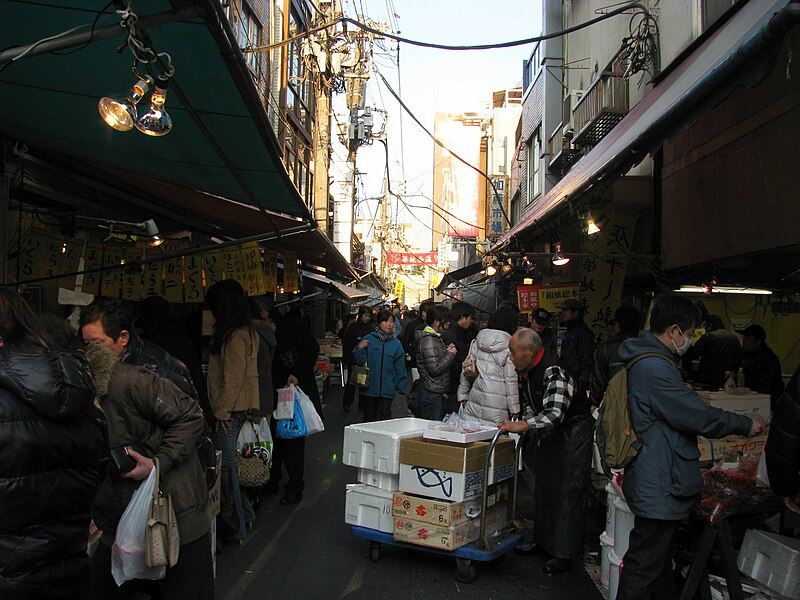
384,337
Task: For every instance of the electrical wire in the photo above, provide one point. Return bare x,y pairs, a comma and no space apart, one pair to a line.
440,143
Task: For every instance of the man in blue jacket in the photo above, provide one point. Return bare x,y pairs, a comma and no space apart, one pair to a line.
664,482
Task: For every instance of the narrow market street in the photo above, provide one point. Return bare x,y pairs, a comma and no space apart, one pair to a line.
307,551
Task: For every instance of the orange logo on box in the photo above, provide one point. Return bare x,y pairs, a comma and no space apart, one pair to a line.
421,510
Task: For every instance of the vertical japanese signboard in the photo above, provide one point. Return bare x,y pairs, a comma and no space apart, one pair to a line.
270,271
231,263
193,289
291,277
173,279
92,261
497,224
212,267
110,283
32,253
253,272
603,273
132,276
153,277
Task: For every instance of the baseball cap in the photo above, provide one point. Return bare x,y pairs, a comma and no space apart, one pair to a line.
571,304
541,316
756,331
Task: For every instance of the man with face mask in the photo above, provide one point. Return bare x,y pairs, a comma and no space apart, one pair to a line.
664,481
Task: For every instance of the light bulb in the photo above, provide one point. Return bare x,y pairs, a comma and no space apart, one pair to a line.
120,112
559,258
592,227
491,270
156,121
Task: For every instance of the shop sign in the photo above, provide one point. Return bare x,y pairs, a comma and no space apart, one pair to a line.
291,276
193,290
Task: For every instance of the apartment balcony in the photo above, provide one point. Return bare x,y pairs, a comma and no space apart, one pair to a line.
562,153
602,106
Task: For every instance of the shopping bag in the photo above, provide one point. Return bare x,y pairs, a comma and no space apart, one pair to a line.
313,421
762,478
359,375
128,554
284,408
289,429
254,453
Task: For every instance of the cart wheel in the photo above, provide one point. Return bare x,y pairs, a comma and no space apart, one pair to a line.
465,570
374,551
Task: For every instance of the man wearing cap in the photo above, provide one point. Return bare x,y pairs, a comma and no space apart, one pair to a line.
540,323
577,350
762,368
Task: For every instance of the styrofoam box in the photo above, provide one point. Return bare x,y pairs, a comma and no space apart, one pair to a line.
615,567
376,446
606,546
484,433
384,481
368,507
773,560
623,525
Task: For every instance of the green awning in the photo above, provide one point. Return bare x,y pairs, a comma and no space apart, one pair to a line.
221,142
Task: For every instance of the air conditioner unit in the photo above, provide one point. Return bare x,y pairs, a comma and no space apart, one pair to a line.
570,101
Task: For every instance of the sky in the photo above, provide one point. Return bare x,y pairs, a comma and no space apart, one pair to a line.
433,81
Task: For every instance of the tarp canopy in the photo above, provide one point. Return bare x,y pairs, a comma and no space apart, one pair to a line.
344,292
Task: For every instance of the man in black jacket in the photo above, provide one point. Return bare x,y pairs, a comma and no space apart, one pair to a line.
461,334
782,452
762,367
606,362
577,350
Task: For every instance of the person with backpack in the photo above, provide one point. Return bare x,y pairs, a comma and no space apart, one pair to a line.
664,481
625,325
563,451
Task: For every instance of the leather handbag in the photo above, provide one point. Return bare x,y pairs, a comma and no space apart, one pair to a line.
253,459
162,542
470,365
359,376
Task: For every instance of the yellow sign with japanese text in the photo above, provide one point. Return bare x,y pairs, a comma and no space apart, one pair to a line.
193,271
252,271
270,271
291,277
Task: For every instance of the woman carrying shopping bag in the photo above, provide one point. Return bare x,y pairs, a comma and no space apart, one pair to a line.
384,355
232,379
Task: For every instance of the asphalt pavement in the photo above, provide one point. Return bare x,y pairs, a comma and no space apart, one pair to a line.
307,551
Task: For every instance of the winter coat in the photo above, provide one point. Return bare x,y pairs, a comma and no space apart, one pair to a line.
433,361
146,354
151,415
462,338
51,441
233,375
782,452
354,333
494,395
296,354
409,340
718,351
606,364
387,366
577,357
762,371
667,417
266,352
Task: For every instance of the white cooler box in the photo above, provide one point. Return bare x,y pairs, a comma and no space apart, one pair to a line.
385,481
773,560
368,507
376,446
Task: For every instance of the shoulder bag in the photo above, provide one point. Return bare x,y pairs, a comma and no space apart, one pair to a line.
470,365
162,542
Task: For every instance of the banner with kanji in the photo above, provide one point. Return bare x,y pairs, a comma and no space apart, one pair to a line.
549,297
252,271
270,271
398,288
291,276
412,258
603,271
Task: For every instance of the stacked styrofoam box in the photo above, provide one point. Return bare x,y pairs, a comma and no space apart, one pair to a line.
773,560
374,448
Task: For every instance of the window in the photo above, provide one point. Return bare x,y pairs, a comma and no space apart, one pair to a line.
534,180
248,31
709,11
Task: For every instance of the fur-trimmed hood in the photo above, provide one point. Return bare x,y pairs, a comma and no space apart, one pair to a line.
102,360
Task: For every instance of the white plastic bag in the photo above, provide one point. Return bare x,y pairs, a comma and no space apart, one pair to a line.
313,421
762,478
284,408
128,552
255,439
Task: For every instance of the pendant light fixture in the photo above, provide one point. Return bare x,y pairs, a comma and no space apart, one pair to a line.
156,121
120,112
559,258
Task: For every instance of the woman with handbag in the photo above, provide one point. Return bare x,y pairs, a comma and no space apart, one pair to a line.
150,418
232,379
489,390
354,333
384,355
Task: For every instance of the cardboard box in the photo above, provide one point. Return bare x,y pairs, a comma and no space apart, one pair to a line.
451,471
368,507
448,538
730,447
441,512
484,433
749,404
384,481
376,446
215,493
